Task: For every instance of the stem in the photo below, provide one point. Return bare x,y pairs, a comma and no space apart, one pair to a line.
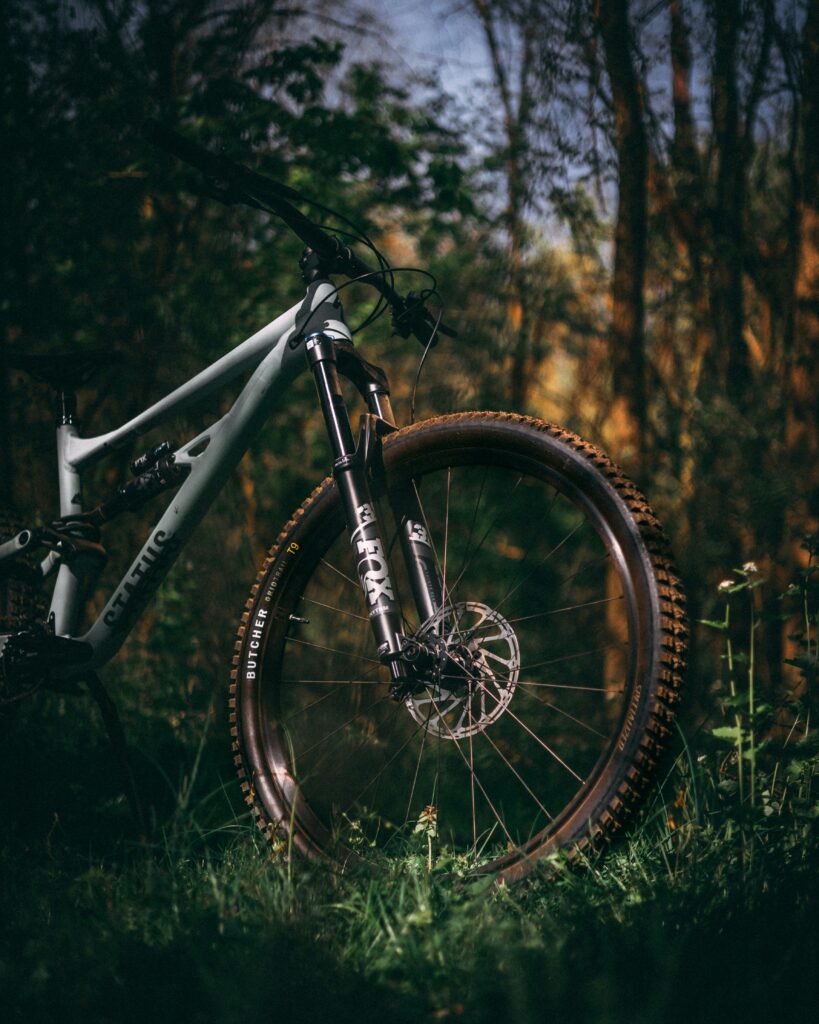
733,688
806,613
805,608
751,709
773,787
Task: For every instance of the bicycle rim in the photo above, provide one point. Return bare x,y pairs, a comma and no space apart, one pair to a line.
551,599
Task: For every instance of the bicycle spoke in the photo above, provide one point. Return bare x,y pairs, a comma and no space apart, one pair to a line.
474,775
513,770
354,752
554,707
557,611
514,589
547,512
472,779
388,736
312,704
417,769
384,767
492,526
533,682
473,523
535,737
329,607
573,657
331,650
333,682
343,725
568,686
446,541
353,583
589,565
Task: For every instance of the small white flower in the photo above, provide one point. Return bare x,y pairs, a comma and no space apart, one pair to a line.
750,567
725,585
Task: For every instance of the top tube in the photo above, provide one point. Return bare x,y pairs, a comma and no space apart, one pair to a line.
83,452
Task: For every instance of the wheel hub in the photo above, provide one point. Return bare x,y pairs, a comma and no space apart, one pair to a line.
471,675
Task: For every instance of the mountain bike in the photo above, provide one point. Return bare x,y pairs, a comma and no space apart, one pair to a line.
472,628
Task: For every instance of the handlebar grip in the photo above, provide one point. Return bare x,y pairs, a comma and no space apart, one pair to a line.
249,185
189,152
213,165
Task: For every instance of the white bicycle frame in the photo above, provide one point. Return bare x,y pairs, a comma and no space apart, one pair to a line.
276,356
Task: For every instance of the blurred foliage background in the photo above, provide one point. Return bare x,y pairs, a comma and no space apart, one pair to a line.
622,210
621,204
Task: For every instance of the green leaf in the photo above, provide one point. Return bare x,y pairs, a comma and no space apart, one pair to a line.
735,588
727,732
739,700
714,624
482,886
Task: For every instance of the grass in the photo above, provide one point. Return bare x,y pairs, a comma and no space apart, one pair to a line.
706,911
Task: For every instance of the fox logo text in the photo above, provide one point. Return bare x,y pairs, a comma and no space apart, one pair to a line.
372,568
365,514
418,533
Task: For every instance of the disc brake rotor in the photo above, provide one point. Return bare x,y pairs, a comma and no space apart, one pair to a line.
478,664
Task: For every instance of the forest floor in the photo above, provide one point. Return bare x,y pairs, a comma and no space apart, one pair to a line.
707,911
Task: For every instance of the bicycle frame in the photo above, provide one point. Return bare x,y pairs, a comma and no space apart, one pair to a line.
276,359
276,354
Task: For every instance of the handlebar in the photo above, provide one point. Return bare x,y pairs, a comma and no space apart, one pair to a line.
232,182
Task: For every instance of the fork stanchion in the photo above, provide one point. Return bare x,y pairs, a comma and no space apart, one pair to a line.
350,474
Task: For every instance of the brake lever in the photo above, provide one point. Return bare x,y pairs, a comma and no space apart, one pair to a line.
406,319
416,319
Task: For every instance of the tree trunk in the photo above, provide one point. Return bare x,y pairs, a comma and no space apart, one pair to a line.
627,319
803,429
727,307
517,111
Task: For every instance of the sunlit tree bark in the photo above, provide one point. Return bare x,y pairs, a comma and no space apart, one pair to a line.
517,80
627,318
803,428
726,287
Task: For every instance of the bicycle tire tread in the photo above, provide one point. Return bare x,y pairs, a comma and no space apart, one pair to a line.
640,771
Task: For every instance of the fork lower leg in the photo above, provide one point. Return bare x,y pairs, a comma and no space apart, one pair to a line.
350,474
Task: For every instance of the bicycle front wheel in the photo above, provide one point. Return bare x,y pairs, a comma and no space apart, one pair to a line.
560,600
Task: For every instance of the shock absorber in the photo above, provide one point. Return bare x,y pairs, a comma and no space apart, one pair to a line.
350,475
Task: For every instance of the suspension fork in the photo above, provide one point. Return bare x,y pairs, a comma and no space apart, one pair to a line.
351,471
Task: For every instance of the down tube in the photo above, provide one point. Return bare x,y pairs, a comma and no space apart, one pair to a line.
228,442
